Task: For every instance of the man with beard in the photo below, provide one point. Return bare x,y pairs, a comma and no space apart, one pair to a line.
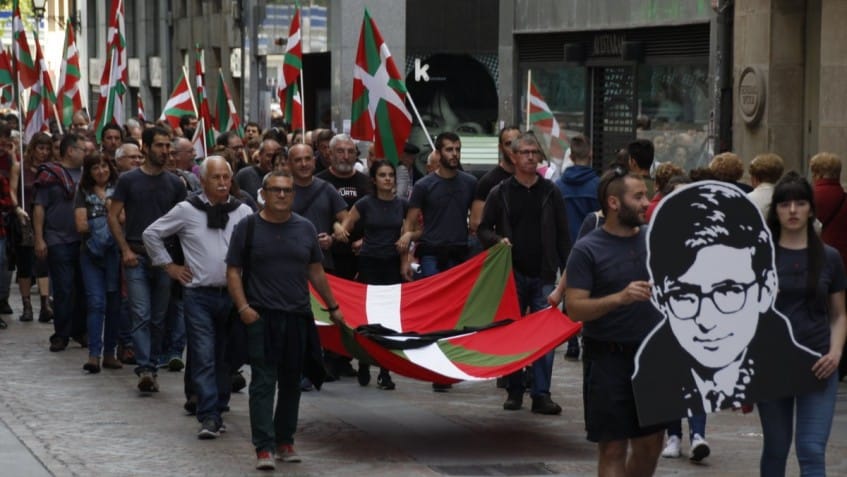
504,169
352,186
444,198
111,139
609,291
249,179
145,194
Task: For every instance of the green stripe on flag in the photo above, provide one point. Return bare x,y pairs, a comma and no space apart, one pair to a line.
484,298
398,84
371,47
539,116
386,133
293,61
462,355
360,106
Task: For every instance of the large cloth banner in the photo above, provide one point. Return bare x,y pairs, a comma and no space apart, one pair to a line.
460,325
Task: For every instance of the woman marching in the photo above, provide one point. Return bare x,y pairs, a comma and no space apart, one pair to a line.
381,256
811,295
100,261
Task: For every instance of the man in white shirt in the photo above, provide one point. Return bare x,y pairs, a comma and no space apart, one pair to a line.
204,225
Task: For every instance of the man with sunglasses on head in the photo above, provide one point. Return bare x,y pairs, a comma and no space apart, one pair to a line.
608,290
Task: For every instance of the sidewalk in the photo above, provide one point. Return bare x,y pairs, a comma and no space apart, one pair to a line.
57,420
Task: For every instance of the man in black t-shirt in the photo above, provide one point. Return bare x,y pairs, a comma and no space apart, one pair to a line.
527,213
145,194
609,291
352,186
249,178
504,169
268,280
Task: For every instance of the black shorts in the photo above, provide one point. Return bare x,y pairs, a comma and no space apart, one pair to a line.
608,400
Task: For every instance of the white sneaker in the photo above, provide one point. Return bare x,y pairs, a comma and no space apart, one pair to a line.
671,448
699,448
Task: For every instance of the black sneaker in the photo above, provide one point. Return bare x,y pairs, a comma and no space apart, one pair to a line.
238,382
345,369
544,405
384,382
209,430
441,388
147,383
58,343
45,315
363,375
27,315
5,309
513,402
190,406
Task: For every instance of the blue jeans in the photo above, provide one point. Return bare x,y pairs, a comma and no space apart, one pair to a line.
149,289
429,265
173,341
696,425
814,421
206,314
102,297
532,294
68,298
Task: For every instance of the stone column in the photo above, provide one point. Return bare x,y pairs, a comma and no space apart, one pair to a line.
832,134
769,59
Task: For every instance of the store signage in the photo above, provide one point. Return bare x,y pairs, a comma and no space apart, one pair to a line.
421,70
607,44
751,95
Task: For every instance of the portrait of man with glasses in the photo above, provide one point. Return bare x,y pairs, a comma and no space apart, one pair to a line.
721,343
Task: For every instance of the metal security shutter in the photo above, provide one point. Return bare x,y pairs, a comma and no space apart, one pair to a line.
612,112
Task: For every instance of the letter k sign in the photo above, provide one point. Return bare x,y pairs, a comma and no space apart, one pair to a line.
421,71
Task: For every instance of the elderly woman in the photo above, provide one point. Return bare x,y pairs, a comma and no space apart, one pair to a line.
727,167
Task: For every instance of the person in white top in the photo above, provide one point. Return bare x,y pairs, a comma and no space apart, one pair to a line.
765,171
204,225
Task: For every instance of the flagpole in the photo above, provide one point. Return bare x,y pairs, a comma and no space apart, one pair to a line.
418,115
302,107
21,136
528,96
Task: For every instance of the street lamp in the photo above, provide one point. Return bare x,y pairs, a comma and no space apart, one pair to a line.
38,6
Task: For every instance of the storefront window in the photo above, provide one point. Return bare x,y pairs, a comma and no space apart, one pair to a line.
673,112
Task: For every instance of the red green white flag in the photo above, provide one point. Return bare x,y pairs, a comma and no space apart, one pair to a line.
541,118
227,118
142,116
7,94
293,61
292,106
205,116
181,102
198,142
114,81
379,111
41,99
454,318
70,96
25,66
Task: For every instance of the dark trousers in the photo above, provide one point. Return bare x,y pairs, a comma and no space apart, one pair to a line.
68,294
278,369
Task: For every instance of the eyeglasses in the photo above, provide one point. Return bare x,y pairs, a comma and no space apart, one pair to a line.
728,298
277,190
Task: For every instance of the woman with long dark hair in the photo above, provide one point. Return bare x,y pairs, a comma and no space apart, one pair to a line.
100,261
380,259
38,151
811,294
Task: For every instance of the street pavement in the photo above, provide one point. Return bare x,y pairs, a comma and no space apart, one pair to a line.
55,419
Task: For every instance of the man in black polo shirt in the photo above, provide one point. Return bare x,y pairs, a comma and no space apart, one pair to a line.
527,212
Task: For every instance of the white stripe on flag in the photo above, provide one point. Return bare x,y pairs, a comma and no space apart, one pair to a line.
382,306
432,358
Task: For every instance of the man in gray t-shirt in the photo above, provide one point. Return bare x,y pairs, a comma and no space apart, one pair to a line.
57,240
